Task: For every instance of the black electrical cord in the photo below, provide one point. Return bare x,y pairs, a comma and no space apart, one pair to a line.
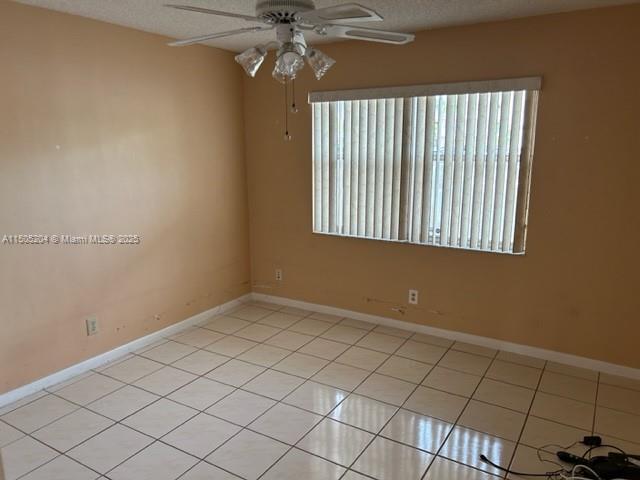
512,472
484,459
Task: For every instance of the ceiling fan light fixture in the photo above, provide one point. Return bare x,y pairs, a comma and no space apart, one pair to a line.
251,59
319,62
291,19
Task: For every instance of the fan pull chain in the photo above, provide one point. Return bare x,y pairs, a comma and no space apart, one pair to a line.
294,107
287,136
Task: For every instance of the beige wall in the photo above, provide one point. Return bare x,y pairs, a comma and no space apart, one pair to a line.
576,290
106,130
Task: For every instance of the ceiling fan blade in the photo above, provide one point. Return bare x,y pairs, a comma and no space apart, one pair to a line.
204,38
349,12
214,12
367,34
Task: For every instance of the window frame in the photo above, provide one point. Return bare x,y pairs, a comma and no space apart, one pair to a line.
530,85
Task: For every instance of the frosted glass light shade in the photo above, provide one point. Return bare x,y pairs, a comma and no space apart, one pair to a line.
251,59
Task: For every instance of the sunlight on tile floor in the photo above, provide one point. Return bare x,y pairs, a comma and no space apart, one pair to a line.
271,392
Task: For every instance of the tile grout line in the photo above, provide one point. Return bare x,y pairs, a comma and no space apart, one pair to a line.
353,392
160,397
272,367
336,406
246,427
595,411
377,435
595,407
277,402
159,440
349,345
526,419
405,401
324,417
456,424
281,401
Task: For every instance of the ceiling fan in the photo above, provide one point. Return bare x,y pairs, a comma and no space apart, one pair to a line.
290,19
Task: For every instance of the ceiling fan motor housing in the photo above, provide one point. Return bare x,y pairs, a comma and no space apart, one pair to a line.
282,11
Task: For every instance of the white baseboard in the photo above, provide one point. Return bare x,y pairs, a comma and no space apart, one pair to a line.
568,359
104,358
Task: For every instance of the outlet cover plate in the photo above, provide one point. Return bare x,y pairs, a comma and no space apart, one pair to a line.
413,297
92,325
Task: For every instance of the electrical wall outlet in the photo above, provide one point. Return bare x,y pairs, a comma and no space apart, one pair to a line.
92,326
278,275
413,297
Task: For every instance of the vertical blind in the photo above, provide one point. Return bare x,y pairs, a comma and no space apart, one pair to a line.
446,165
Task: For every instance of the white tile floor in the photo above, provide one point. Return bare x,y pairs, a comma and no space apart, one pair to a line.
269,392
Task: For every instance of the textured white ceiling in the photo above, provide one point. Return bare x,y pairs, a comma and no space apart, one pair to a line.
404,15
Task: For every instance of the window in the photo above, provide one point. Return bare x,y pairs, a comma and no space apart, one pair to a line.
446,165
